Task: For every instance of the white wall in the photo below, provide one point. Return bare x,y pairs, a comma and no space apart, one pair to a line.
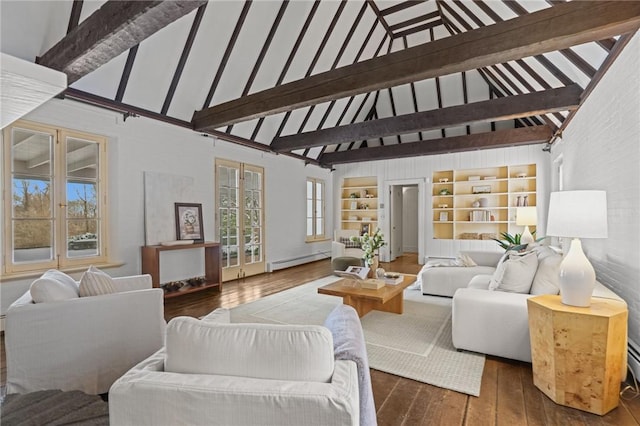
423,167
141,144
601,150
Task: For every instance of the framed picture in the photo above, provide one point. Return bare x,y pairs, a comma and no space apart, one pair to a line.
189,222
481,189
364,228
444,216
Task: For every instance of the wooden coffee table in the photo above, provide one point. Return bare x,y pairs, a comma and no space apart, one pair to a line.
388,298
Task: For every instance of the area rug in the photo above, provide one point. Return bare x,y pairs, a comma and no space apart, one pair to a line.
416,345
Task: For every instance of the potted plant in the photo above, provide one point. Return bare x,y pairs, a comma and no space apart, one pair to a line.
370,245
513,242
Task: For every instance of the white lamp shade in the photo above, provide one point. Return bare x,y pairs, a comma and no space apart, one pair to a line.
581,214
526,216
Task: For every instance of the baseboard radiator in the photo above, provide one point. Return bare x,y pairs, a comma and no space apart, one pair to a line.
633,358
295,261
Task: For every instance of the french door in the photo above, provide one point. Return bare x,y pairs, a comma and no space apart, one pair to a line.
240,218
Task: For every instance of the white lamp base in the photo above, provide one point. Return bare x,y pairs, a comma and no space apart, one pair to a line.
577,277
526,237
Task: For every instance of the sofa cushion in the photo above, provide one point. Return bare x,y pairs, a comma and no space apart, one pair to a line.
263,351
546,280
515,274
95,282
53,286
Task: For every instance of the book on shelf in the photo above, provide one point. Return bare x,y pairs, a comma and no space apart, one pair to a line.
354,272
480,216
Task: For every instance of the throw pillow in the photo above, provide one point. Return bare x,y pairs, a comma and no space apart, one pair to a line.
264,351
465,260
94,282
517,274
53,286
497,275
546,278
349,243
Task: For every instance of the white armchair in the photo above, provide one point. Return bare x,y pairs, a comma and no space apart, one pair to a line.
341,241
215,373
83,343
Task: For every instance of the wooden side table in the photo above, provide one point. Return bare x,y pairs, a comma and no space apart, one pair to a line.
579,354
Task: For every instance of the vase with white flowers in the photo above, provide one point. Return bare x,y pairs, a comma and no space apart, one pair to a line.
370,245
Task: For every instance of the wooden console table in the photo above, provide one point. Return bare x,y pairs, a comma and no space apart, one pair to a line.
579,354
212,265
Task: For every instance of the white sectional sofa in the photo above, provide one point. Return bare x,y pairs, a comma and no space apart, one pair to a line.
442,277
495,322
342,246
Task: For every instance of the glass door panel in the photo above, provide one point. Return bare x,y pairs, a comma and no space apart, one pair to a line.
240,223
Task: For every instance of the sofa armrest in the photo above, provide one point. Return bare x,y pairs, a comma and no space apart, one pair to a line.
146,395
133,282
88,342
491,322
337,249
484,258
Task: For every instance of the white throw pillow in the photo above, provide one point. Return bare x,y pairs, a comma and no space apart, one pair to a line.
497,274
94,282
517,274
546,280
542,252
53,286
264,351
465,260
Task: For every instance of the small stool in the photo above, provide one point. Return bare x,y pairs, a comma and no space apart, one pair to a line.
341,263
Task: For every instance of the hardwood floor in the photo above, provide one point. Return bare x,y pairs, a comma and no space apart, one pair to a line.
507,396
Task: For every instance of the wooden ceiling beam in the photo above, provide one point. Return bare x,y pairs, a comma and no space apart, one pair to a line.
547,30
498,139
505,108
114,28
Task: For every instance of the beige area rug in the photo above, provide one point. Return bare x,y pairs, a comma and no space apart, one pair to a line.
416,345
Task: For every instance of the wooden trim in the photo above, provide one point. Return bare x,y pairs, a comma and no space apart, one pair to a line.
380,17
292,55
114,28
183,58
423,27
74,18
400,6
227,53
547,30
126,73
504,108
416,20
501,138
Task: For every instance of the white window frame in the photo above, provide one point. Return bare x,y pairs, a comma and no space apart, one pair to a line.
59,186
315,236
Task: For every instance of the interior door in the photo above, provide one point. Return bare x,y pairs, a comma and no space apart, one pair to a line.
240,218
396,222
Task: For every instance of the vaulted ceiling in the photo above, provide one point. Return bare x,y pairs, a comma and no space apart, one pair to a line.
328,81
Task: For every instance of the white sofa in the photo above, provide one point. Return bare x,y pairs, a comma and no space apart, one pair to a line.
83,343
442,277
341,241
217,373
496,322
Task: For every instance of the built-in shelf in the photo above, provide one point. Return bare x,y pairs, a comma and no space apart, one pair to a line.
502,189
359,204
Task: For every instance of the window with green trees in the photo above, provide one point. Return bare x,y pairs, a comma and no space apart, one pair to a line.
55,216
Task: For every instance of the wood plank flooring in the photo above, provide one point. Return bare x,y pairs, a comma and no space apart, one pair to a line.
507,396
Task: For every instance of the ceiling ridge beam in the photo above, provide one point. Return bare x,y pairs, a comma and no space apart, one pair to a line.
505,108
380,17
547,30
114,28
400,6
500,138
426,17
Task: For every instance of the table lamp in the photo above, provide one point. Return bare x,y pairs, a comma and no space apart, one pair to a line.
577,214
526,216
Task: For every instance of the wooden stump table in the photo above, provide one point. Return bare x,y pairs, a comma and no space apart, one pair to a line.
579,354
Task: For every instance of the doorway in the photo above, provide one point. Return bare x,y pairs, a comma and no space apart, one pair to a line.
404,223
240,218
